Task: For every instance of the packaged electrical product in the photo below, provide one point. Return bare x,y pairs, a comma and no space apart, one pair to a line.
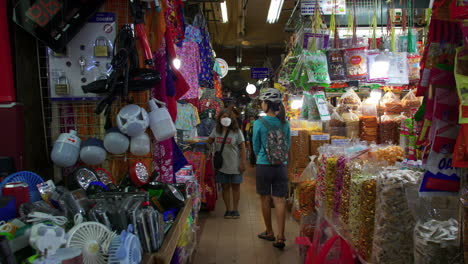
398,69
356,63
378,65
336,64
349,101
316,67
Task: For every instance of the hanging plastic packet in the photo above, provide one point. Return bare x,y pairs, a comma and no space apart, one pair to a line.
336,65
413,67
440,175
369,107
317,69
322,105
337,125
352,124
390,103
356,63
398,71
403,42
378,65
460,158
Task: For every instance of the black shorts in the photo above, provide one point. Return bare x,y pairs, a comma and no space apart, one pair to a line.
272,180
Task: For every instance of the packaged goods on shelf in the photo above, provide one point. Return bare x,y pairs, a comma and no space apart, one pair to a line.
394,223
389,129
410,103
351,101
369,128
352,124
356,63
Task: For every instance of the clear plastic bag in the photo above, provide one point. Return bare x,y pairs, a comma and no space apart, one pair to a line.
378,69
349,100
317,68
394,222
352,124
411,103
391,104
337,125
398,71
356,63
369,107
389,129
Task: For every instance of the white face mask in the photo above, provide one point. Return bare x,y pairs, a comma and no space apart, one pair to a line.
226,121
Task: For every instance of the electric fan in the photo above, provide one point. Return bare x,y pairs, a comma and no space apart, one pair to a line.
31,178
125,249
94,239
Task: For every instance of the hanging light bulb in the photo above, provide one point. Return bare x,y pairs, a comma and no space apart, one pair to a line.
177,63
251,89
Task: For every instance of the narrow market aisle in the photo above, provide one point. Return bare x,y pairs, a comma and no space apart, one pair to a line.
235,241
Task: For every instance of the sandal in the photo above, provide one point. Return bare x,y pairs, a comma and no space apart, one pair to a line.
266,236
280,243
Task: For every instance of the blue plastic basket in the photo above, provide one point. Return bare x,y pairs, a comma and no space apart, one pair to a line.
31,178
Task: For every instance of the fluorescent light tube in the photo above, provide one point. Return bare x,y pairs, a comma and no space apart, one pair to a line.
274,11
224,12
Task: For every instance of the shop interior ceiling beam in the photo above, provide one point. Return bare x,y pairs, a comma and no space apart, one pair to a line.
242,7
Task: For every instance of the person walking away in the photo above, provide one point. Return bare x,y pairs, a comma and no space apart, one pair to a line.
271,142
233,154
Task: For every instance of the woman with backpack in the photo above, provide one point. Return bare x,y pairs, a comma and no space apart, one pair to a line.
229,160
271,142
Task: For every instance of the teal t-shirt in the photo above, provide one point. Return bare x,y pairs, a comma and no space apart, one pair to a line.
260,134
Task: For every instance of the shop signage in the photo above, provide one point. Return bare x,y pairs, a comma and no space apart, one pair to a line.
308,7
259,73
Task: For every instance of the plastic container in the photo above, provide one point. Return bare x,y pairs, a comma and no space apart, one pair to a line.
160,121
132,120
93,152
140,145
66,149
115,142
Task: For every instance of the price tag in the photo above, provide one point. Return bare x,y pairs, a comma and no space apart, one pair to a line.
340,142
294,133
322,106
324,137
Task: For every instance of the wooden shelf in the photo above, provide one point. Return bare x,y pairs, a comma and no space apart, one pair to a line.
165,253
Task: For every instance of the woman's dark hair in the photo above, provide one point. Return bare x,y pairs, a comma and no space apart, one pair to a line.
277,107
234,125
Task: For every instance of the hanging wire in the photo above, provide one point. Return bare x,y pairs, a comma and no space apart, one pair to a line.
374,27
316,26
354,40
411,48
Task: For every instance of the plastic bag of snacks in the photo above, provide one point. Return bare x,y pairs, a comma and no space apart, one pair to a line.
391,104
316,66
411,103
352,124
337,125
356,63
336,65
398,70
390,154
413,67
389,129
436,234
369,107
394,222
369,128
349,100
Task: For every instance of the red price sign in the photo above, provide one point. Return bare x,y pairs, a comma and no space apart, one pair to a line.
43,11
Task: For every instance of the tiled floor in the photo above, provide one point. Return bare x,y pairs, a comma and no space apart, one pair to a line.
235,241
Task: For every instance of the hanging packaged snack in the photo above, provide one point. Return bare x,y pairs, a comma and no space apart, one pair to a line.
411,103
413,67
404,45
336,65
316,66
391,104
378,65
352,124
398,70
461,77
349,100
337,125
369,127
356,63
